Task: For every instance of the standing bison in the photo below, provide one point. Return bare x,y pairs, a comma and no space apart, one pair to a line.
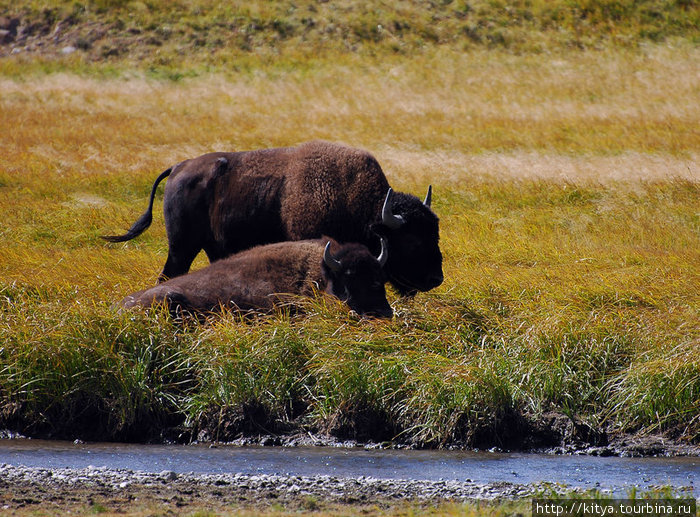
227,202
265,276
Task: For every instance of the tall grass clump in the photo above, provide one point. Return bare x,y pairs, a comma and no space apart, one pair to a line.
251,378
89,372
659,392
568,369
469,402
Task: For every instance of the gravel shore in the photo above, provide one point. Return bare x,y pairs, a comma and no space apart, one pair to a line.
24,486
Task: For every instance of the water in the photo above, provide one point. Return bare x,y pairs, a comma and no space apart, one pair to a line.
612,473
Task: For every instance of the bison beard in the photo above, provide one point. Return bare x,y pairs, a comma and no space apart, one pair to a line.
265,276
223,203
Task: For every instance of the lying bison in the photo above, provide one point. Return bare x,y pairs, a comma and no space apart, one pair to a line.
227,202
264,276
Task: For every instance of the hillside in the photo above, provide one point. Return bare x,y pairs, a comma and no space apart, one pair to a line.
219,35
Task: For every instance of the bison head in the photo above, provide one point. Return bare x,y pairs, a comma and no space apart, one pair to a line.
356,277
411,229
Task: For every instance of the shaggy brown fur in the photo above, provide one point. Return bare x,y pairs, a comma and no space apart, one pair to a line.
227,202
264,276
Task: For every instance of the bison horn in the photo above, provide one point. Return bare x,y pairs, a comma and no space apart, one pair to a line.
388,218
429,196
330,261
384,254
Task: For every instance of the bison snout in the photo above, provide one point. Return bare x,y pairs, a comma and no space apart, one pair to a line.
435,280
384,312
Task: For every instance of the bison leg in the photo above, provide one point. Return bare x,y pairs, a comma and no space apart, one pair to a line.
178,262
215,252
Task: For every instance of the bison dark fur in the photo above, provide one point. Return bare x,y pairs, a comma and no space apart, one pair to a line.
265,276
227,202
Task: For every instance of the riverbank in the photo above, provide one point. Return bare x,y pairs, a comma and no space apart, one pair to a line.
28,484
624,446
562,440
101,490
89,490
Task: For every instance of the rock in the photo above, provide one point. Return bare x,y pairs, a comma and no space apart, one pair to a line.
168,475
8,29
6,36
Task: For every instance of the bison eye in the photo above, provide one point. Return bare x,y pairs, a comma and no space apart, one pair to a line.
349,272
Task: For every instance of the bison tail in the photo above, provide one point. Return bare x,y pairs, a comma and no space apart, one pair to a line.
136,229
144,221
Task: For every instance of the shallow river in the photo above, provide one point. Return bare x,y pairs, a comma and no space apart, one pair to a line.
618,474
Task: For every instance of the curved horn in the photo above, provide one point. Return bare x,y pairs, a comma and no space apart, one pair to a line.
388,218
428,196
384,254
330,261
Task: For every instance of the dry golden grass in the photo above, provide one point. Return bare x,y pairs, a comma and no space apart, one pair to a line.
457,167
589,116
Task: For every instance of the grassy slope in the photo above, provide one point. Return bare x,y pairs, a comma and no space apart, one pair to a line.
220,36
570,253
